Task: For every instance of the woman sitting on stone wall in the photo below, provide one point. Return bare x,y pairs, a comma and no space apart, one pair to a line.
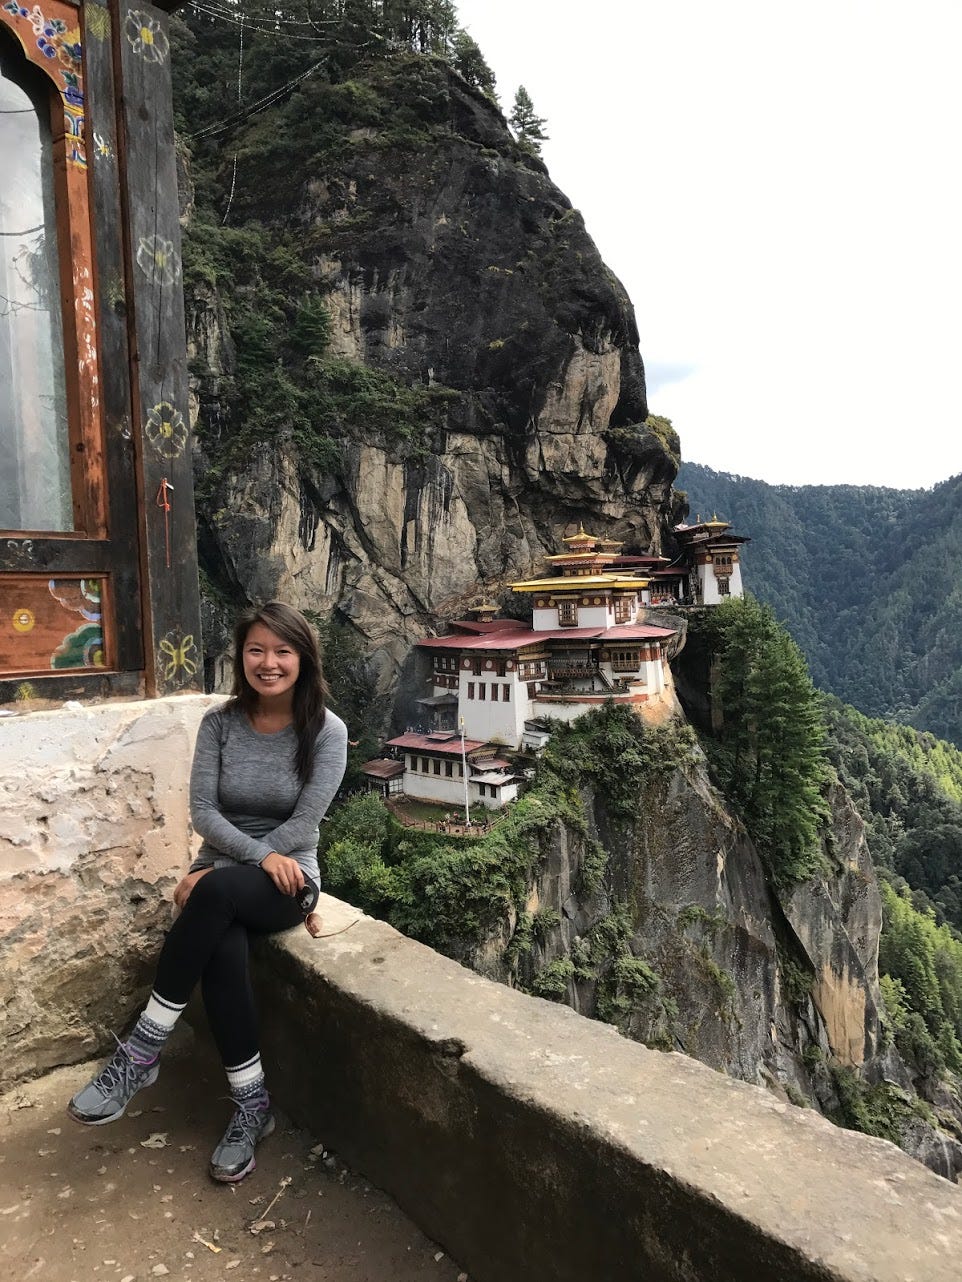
266,766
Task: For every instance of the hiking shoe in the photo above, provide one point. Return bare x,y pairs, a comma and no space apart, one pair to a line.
233,1158
107,1096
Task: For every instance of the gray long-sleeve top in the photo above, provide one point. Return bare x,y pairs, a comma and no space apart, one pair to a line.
245,795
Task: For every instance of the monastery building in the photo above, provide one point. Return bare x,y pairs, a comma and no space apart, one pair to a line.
492,680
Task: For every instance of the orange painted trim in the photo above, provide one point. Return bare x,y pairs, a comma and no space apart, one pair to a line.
50,37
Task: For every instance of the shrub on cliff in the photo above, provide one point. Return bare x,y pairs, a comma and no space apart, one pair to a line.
921,964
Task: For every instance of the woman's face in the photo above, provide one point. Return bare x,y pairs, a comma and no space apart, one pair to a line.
271,664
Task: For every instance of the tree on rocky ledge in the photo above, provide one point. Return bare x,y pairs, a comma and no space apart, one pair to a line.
468,60
528,126
769,757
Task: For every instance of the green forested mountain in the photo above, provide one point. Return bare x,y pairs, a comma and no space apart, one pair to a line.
908,788
867,581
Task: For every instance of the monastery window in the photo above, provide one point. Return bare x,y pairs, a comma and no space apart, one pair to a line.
567,614
505,694
470,689
724,587
424,765
624,609
481,689
460,770
477,667
412,763
532,689
625,660
437,767
36,491
449,769
499,668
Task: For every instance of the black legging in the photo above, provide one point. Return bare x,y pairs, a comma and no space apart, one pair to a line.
209,942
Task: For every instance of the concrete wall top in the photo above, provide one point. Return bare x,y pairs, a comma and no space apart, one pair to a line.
592,1156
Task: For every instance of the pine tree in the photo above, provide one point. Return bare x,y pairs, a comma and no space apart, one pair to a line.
770,759
527,125
468,60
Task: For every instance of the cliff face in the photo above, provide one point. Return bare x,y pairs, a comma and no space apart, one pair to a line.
776,988
457,269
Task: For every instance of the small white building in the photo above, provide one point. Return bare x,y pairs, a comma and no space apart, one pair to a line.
436,766
710,556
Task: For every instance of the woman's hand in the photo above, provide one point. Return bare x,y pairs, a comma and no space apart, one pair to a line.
186,885
284,872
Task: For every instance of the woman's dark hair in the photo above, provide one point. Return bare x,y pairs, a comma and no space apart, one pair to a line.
310,691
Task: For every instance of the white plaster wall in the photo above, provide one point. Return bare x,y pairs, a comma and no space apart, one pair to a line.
434,787
494,719
595,616
544,620
450,792
653,675
708,584
94,834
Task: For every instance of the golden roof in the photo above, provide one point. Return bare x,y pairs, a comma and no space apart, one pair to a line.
582,538
578,583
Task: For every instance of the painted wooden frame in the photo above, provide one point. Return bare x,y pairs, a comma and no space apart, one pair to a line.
118,216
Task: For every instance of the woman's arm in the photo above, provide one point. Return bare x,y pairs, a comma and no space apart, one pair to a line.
205,812
330,762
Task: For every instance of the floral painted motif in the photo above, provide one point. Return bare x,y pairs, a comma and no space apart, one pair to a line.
62,54
97,21
178,656
158,260
82,596
146,36
81,649
166,430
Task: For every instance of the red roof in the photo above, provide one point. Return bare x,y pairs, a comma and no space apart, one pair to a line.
635,632
426,743
489,641
486,625
518,640
383,769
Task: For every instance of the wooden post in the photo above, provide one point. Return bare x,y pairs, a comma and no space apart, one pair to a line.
155,303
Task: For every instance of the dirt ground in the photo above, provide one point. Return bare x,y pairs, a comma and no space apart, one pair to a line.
132,1201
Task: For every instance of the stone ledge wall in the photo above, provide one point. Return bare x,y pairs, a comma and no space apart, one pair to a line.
535,1144
94,834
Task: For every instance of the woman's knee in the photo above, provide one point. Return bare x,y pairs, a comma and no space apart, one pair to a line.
211,891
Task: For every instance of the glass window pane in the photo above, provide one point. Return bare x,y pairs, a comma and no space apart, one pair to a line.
34,443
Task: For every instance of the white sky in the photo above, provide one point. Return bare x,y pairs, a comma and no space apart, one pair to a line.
778,186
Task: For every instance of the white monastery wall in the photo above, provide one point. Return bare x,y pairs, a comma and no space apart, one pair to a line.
432,787
488,718
595,616
94,834
544,620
